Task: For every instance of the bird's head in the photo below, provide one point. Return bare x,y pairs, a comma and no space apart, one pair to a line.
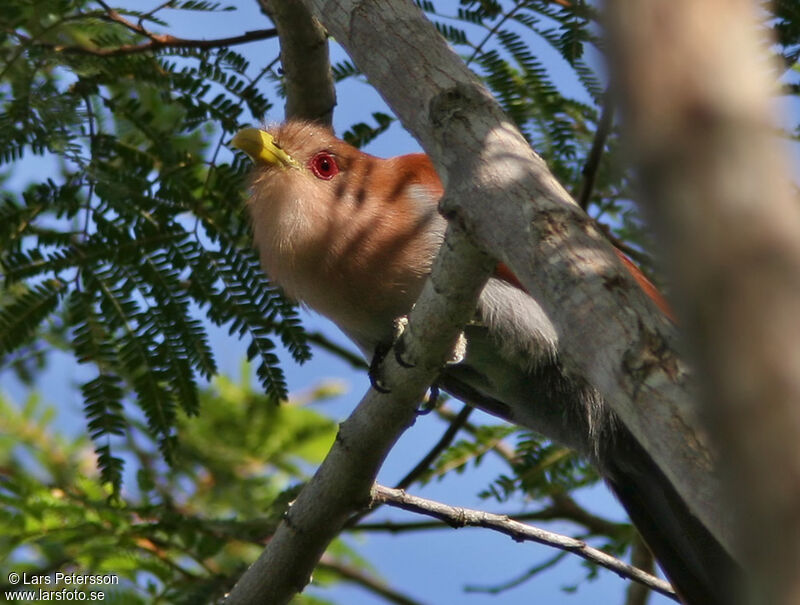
315,148
295,166
297,195
325,213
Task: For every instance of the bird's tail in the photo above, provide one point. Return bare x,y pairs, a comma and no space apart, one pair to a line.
541,398
699,567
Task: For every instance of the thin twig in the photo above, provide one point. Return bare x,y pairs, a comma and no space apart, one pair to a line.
113,15
549,513
157,42
92,138
463,517
496,27
356,576
493,30
212,163
642,558
149,14
354,359
563,508
444,442
592,164
524,577
500,448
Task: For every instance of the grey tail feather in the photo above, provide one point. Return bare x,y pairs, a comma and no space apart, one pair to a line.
699,567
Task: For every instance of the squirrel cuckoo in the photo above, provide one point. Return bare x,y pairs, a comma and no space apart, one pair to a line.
354,236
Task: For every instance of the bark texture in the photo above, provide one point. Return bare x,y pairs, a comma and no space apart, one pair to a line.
308,80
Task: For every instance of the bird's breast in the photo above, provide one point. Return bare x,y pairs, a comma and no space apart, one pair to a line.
360,279
353,254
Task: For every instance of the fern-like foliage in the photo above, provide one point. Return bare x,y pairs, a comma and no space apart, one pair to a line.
362,133
191,530
541,469
132,223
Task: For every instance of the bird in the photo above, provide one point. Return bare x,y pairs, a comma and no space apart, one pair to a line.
353,237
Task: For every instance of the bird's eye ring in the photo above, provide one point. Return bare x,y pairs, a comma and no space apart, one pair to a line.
324,166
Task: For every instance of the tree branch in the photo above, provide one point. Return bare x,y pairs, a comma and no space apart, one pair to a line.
641,558
592,164
596,526
356,576
114,16
565,507
355,360
502,449
519,532
308,79
157,42
444,442
520,578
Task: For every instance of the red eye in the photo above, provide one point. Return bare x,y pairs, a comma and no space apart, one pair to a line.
324,166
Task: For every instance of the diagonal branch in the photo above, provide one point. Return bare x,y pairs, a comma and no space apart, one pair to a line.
345,354
558,511
157,42
500,448
592,164
609,331
113,15
521,578
358,577
444,442
520,532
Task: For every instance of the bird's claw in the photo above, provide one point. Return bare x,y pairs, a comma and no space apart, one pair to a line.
382,350
459,350
375,369
400,325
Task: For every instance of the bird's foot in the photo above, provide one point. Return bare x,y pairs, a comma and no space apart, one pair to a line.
382,350
374,371
400,325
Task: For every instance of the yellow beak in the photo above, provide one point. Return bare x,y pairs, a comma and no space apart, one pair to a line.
260,146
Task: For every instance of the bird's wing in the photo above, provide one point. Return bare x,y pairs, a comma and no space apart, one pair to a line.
504,273
645,284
